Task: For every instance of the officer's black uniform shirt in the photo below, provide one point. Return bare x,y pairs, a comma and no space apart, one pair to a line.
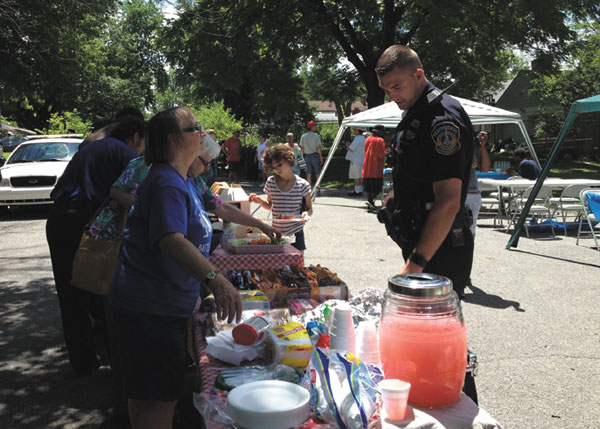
434,142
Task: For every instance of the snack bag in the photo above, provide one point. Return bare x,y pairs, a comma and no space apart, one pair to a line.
343,389
288,344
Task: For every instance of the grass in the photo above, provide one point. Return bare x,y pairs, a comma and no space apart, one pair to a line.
575,170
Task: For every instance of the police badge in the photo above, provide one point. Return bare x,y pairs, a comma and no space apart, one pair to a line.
446,136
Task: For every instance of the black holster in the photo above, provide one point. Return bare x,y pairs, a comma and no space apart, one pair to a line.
462,222
403,225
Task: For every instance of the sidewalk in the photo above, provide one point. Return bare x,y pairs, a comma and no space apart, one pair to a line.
533,319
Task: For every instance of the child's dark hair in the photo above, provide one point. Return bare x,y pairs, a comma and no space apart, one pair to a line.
279,153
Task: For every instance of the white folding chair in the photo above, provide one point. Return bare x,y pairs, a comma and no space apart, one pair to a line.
538,209
591,219
568,202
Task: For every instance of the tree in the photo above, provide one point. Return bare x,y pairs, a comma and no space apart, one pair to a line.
214,115
39,46
339,84
576,76
60,124
95,56
231,53
457,40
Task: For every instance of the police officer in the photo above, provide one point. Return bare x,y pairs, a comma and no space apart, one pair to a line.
432,151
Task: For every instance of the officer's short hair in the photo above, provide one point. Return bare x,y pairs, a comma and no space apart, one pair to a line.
399,56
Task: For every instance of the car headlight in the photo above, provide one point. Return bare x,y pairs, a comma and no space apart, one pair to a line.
4,181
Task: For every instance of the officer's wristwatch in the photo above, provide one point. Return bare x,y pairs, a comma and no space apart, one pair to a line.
210,276
418,259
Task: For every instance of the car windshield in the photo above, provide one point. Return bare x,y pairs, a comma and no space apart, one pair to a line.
43,151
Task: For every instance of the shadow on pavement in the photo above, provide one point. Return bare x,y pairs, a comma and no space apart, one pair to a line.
587,264
38,388
480,297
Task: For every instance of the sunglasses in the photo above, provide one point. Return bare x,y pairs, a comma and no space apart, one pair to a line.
192,129
204,162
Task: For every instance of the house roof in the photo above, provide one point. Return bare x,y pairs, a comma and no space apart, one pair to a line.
329,106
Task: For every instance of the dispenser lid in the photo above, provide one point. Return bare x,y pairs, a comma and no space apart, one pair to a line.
420,284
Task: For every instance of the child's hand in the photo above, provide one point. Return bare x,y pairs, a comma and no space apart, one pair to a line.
305,217
252,198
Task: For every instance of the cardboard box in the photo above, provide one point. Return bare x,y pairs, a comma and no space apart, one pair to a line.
232,194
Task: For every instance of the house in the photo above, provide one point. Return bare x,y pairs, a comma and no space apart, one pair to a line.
516,96
325,111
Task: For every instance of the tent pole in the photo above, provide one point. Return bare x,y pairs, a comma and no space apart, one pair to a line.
336,141
528,142
514,239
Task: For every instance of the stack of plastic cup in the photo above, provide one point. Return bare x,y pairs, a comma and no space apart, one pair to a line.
342,337
367,343
395,397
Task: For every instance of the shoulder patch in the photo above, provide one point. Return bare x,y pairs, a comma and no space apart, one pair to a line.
446,136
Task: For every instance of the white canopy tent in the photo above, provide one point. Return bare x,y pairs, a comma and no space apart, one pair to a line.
389,115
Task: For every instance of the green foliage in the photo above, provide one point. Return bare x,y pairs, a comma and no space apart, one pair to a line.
97,56
338,84
575,170
4,120
60,123
577,77
214,115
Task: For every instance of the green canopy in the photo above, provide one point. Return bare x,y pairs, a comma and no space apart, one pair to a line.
585,105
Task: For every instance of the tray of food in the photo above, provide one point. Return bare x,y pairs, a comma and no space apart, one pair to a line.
291,219
255,245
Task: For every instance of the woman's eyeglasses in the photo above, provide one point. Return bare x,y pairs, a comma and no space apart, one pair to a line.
204,162
192,129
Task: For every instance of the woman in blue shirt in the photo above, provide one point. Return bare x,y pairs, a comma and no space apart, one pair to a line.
163,261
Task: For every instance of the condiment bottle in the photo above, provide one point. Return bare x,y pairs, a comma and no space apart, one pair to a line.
423,339
249,331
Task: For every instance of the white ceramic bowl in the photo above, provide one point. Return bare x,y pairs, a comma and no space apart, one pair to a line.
268,404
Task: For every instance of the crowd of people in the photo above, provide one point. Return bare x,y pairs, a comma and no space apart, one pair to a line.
158,174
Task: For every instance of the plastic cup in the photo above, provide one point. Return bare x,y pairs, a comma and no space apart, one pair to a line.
395,397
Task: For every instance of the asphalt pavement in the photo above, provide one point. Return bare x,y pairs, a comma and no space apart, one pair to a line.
532,318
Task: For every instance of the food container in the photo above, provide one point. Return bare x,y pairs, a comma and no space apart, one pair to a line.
423,339
248,332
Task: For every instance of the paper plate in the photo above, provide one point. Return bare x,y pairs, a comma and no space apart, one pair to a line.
268,404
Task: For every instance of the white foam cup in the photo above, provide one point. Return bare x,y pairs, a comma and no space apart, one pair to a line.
342,342
342,316
367,343
395,397
341,329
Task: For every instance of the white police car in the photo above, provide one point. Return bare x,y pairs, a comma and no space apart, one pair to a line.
34,167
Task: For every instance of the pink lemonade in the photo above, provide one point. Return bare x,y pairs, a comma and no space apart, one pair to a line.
428,352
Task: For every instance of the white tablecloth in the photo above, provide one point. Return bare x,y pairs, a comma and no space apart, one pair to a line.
464,414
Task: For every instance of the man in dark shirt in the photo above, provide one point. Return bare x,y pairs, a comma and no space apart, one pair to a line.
432,151
528,168
82,188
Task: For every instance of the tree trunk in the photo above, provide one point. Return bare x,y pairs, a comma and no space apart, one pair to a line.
375,95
